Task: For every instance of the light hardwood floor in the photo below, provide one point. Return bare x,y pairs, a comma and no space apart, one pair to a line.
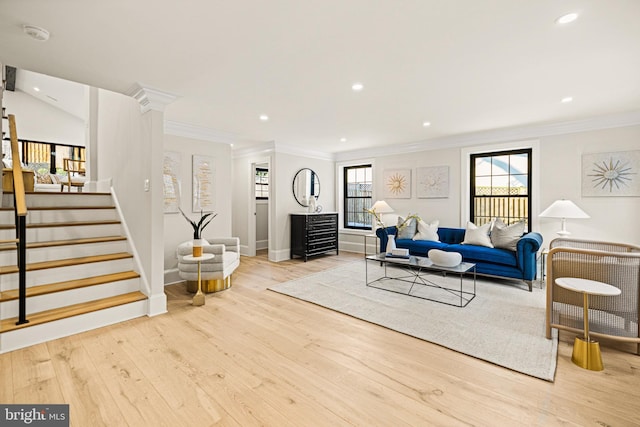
254,357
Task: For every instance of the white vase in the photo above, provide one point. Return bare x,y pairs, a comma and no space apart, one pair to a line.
391,243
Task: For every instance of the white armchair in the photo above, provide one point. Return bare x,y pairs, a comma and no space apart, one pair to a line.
215,273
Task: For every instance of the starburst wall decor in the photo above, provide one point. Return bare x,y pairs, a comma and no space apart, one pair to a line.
397,183
611,174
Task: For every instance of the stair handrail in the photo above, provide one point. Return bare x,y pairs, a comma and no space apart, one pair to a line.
20,207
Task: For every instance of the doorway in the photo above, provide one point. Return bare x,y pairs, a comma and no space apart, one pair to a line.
259,195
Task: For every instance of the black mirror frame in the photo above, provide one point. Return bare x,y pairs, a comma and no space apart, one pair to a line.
315,177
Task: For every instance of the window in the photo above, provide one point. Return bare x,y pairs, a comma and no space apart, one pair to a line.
357,196
262,184
501,187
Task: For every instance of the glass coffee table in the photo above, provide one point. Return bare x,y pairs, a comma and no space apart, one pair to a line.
419,277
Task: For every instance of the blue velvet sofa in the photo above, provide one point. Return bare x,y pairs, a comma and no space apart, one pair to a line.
520,264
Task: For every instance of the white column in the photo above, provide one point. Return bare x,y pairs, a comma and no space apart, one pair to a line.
152,103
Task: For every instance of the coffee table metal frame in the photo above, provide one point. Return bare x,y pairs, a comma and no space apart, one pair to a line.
418,270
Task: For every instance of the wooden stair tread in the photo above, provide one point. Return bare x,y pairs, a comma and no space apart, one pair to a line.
53,243
33,291
66,262
62,224
72,310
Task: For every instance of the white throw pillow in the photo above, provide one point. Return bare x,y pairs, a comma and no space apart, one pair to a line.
478,236
427,231
506,236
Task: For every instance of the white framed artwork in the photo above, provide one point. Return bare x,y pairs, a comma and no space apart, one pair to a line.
432,182
397,183
203,184
171,166
614,174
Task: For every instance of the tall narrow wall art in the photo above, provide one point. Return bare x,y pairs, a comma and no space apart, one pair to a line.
203,185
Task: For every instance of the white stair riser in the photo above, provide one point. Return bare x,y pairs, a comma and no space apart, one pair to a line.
37,334
74,296
63,200
46,234
61,274
71,215
63,252
61,215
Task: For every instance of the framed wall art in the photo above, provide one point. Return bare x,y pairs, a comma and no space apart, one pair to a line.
432,182
615,174
171,169
397,183
203,184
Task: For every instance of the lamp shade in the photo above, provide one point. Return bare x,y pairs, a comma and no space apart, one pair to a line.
380,206
563,209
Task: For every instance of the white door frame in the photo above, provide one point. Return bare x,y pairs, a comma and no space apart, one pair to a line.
251,226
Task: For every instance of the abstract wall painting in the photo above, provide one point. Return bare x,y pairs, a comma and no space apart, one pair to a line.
432,182
615,174
203,185
397,183
171,180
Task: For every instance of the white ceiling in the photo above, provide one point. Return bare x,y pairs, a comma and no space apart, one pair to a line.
63,94
464,65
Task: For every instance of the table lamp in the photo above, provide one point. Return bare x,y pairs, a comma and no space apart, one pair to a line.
380,207
563,209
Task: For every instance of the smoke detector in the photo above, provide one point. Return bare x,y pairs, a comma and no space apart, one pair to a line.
37,33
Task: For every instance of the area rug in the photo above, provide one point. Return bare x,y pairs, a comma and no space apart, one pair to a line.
504,324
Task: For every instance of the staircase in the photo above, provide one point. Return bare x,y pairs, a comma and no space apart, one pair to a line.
80,272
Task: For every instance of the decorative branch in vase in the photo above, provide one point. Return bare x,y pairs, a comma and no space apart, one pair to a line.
198,227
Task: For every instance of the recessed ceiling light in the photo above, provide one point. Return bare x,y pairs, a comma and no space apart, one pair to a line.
37,89
357,87
426,124
566,99
264,117
343,139
565,19
36,33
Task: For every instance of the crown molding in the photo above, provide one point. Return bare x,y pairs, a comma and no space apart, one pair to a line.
199,132
297,151
631,118
150,98
260,149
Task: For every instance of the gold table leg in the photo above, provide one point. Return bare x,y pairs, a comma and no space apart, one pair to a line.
586,352
198,298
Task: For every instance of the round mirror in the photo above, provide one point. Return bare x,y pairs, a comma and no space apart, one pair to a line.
305,185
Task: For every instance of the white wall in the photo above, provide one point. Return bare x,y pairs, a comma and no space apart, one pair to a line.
243,192
262,224
126,155
612,218
39,121
177,230
286,167
282,169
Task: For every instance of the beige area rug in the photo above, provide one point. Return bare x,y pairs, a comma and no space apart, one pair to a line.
503,324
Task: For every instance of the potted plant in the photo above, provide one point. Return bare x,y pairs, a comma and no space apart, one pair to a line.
197,229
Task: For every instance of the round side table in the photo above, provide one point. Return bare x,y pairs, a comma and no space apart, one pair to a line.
198,298
586,352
